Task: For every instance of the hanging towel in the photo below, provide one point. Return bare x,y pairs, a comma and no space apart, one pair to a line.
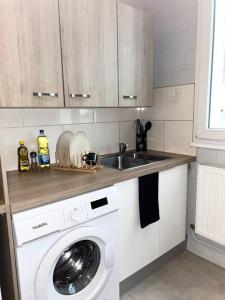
148,199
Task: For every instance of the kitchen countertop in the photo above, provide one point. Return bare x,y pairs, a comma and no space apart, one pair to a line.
30,190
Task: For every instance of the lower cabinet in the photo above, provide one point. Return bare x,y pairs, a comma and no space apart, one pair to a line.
172,206
138,247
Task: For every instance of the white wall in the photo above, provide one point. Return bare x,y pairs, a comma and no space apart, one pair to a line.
175,39
175,33
172,119
104,127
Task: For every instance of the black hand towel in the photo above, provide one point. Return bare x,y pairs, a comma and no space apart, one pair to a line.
148,199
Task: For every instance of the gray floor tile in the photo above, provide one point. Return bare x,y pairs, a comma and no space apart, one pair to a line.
188,277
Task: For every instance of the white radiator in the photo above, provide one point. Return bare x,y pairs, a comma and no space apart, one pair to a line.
210,208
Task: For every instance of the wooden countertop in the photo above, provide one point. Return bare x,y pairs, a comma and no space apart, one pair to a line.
29,190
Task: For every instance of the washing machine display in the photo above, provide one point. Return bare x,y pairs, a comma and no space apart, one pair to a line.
76,267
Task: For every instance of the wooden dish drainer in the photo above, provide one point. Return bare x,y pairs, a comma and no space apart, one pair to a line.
70,166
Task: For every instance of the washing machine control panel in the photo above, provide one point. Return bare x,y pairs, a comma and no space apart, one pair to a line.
75,214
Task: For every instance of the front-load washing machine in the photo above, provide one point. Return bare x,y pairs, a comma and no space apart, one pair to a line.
68,250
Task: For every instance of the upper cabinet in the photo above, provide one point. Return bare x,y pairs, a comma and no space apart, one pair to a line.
89,52
136,48
75,53
30,54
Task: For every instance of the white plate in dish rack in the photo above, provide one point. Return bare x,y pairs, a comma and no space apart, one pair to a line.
79,145
63,147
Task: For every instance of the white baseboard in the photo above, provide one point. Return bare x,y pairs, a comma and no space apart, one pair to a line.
211,254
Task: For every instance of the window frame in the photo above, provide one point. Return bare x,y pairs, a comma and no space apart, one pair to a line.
204,136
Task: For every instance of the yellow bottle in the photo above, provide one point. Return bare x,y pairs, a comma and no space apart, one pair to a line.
43,150
23,160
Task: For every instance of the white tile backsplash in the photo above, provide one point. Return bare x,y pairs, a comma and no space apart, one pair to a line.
11,137
167,106
178,137
104,127
116,114
171,116
76,116
11,118
104,137
128,134
156,136
40,117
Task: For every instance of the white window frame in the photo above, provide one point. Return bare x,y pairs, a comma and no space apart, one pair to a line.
204,136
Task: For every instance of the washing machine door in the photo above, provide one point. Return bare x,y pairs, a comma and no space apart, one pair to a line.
77,267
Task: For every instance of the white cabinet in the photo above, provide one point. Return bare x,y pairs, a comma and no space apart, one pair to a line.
172,206
137,247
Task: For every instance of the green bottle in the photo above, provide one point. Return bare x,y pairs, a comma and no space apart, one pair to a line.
43,150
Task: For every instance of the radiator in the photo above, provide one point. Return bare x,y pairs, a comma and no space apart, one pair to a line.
210,207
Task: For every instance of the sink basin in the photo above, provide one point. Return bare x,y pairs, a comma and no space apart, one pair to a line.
130,160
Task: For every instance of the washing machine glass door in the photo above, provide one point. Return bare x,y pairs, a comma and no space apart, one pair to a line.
76,267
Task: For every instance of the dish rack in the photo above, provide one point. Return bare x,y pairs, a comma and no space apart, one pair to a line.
67,165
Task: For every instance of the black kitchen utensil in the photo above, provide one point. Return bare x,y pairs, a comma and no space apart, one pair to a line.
139,131
148,126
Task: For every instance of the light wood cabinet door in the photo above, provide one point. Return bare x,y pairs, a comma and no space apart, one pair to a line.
30,54
89,50
136,48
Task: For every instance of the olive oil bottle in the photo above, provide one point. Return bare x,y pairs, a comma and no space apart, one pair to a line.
43,150
23,160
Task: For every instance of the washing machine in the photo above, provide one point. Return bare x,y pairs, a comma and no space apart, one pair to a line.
68,250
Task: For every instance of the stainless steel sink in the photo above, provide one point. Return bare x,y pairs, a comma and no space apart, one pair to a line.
130,160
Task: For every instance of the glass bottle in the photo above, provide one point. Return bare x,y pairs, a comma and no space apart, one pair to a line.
23,160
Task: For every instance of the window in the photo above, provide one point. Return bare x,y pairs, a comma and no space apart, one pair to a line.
209,130
217,94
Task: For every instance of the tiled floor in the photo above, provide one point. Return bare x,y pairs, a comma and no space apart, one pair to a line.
188,277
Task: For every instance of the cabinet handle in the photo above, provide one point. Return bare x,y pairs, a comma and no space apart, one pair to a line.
130,97
39,94
85,96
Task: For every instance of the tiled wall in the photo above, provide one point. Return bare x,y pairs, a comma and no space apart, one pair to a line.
171,115
172,118
175,50
104,127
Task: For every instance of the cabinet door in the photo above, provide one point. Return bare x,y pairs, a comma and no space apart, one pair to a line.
137,246
89,47
30,55
135,56
172,205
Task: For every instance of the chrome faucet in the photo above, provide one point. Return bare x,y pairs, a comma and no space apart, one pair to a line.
123,147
